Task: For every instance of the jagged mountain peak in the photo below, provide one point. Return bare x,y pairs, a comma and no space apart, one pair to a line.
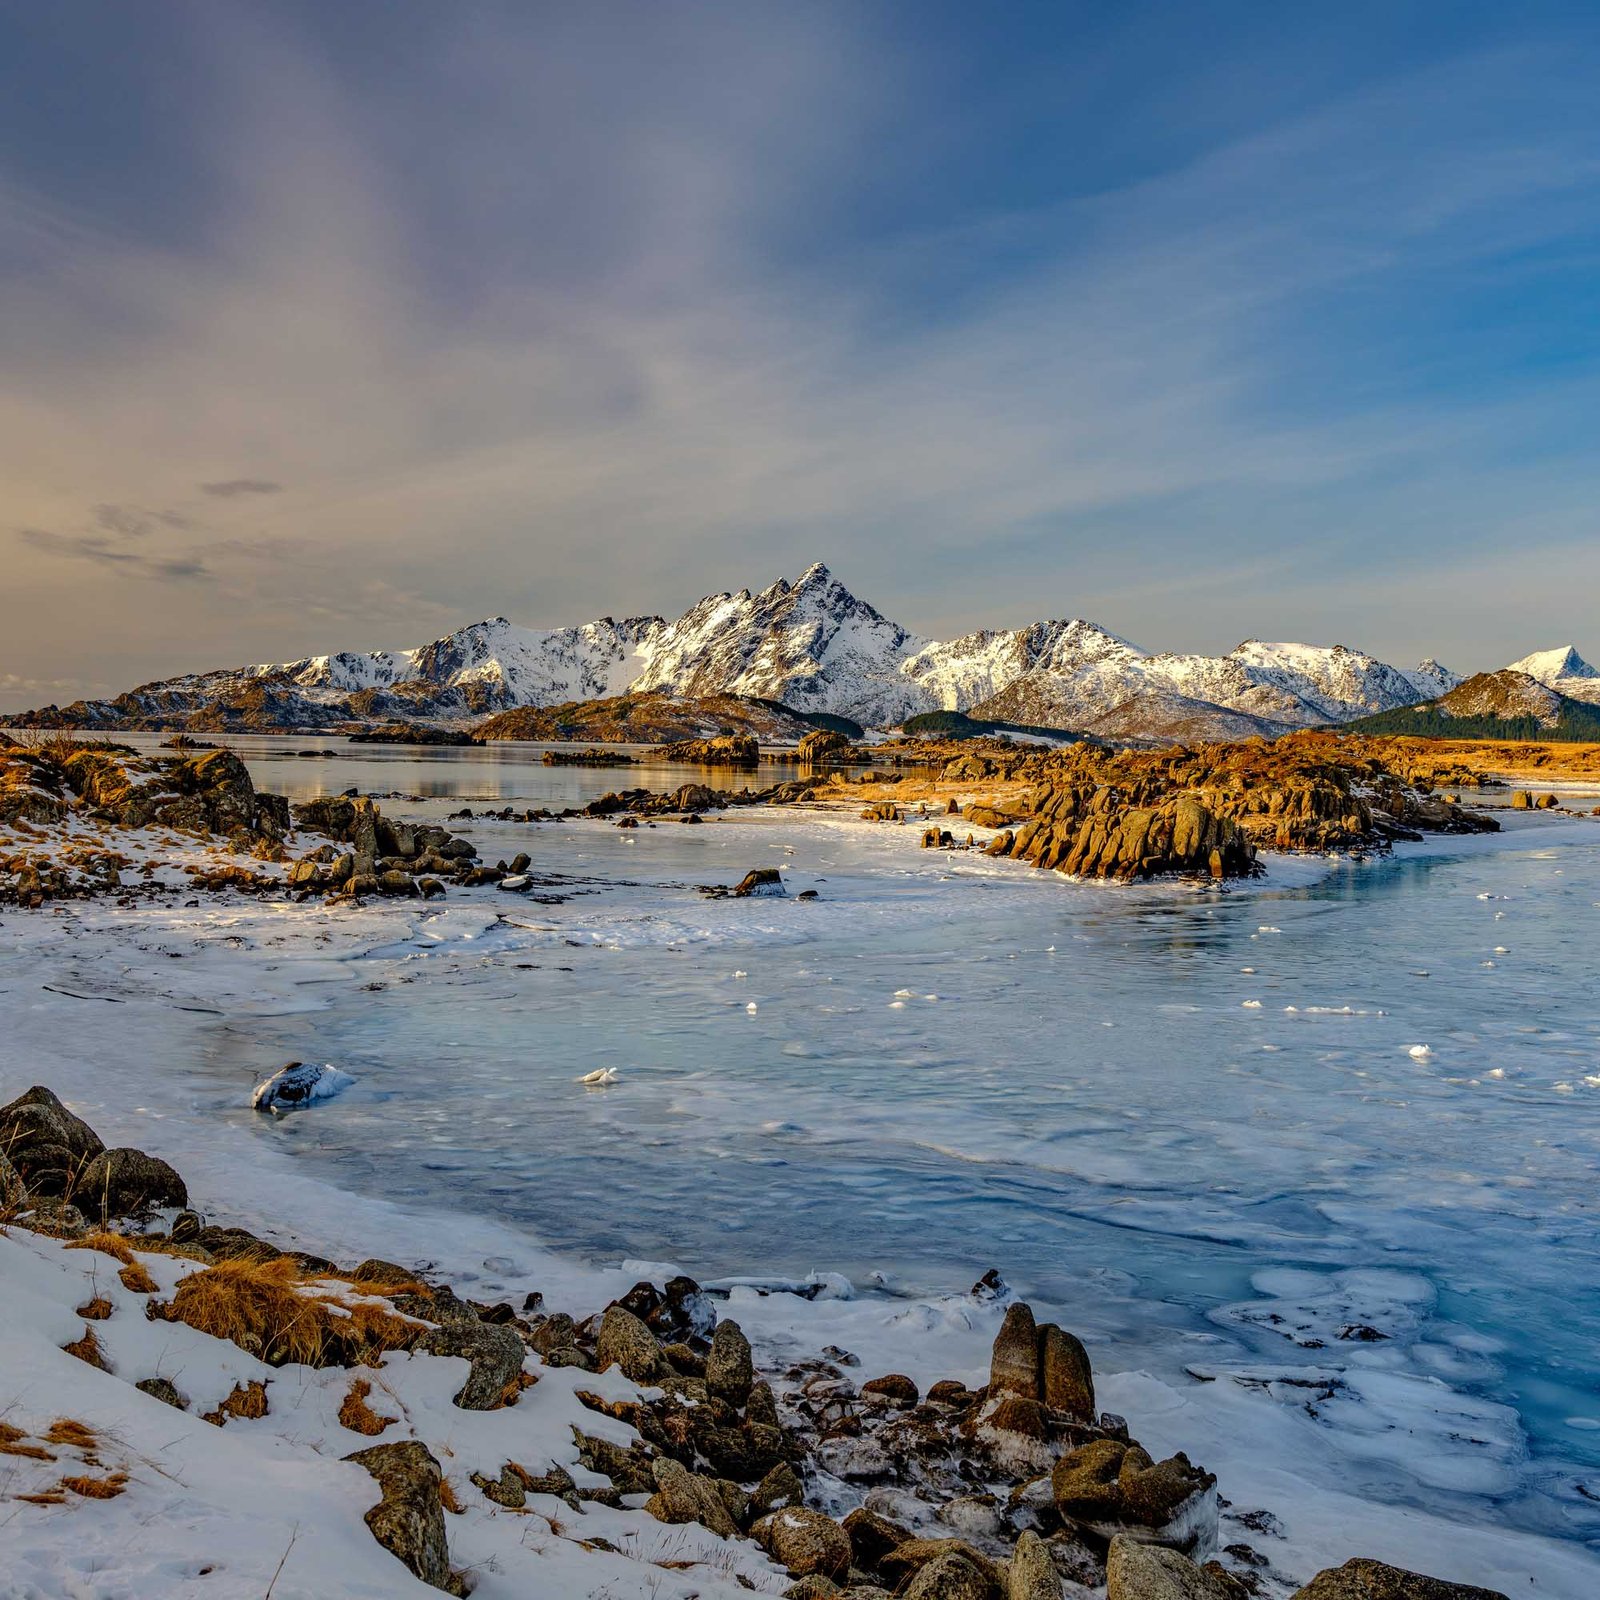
1549,666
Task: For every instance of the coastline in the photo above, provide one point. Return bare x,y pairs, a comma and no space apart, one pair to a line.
1222,1426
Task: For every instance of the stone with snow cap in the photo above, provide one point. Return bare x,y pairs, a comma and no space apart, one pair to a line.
301,1083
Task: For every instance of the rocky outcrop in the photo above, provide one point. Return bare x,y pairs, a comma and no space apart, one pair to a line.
824,745
1127,815
383,856
725,750
1362,1579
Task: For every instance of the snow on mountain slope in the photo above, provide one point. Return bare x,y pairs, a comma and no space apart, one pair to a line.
817,647
1563,670
811,644
515,666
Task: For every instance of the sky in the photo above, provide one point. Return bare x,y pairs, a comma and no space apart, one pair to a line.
341,326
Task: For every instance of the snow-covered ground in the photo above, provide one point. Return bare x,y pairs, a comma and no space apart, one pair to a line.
1290,1150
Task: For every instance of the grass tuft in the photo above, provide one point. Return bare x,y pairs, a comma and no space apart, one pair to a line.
136,1279
67,1430
95,1310
268,1309
97,1488
356,1415
88,1349
247,1401
111,1244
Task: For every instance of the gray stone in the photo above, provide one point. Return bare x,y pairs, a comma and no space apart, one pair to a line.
495,1351
804,1541
685,1496
409,1520
164,1390
124,1182
954,1575
625,1342
730,1369
47,1144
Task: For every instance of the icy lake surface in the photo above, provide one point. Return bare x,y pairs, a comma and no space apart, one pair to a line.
1330,1138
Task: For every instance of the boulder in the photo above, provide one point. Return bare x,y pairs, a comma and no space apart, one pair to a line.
685,1496
1014,1361
625,1342
126,1183
893,1389
496,1353
1363,1579
409,1520
1066,1382
47,1144
956,1574
730,1370
804,1541
760,881
1110,1486
1032,1574
1139,1571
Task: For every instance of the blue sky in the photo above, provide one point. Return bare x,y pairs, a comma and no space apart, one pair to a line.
328,326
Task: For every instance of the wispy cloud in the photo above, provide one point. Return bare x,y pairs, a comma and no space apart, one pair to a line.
232,488
637,355
102,552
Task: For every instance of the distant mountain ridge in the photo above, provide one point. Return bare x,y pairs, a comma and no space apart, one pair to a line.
1509,704
816,647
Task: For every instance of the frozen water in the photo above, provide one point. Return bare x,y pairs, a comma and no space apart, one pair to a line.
1194,1184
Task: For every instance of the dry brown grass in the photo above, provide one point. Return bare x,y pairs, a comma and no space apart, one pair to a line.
95,1310
88,1349
49,1497
247,1400
356,1415
67,1430
13,1442
107,1488
268,1309
449,1499
136,1279
110,1244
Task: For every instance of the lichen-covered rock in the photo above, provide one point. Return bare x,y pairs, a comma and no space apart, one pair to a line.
625,1342
1066,1381
1137,1570
409,1520
685,1496
1363,1579
804,1541
1014,1360
125,1183
1032,1573
730,1368
780,1487
1109,1486
953,1575
496,1353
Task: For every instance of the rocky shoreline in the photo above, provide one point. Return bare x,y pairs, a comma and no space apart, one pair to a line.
839,1481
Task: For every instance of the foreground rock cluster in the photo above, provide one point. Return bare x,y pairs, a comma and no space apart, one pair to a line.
383,856
68,802
1020,1489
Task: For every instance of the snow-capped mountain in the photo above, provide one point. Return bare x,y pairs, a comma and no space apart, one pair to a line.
1563,670
511,666
816,647
811,644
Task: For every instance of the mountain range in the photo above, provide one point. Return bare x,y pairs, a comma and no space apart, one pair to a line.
815,647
